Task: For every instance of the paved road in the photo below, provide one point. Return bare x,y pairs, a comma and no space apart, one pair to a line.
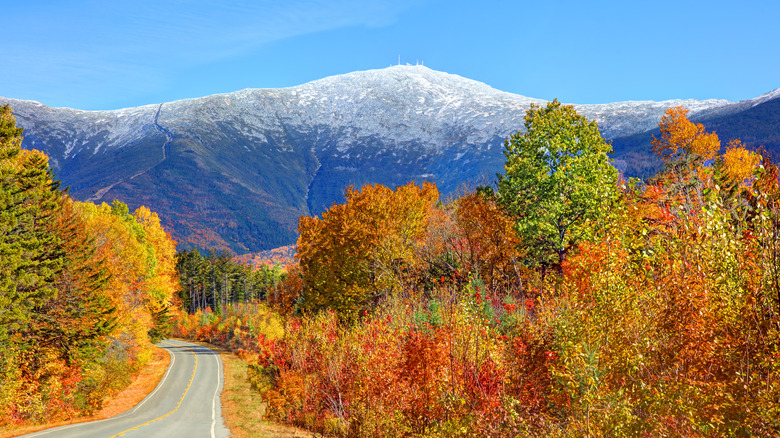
184,404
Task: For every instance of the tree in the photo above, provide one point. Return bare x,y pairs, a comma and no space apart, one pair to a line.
680,137
693,168
740,164
490,241
557,176
360,250
30,255
684,147
161,284
76,320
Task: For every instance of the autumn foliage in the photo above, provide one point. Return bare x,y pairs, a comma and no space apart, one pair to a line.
664,319
82,289
362,249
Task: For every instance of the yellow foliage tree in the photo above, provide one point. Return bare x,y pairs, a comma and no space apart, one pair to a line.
359,250
140,258
162,281
740,163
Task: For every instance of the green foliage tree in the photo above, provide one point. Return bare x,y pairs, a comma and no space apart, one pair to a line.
10,146
30,254
557,176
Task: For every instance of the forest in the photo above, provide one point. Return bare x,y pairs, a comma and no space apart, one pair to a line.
562,300
85,290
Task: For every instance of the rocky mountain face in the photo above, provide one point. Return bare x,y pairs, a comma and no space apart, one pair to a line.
237,170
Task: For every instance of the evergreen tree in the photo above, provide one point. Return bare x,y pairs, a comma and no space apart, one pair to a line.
30,252
217,280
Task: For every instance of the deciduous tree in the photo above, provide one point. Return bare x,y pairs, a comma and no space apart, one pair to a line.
359,249
557,177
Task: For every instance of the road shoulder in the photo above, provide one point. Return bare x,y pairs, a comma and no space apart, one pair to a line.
242,407
141,385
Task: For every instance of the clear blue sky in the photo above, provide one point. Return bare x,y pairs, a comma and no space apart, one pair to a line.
99,54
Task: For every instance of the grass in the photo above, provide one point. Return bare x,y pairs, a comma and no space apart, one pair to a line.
242,407
141,385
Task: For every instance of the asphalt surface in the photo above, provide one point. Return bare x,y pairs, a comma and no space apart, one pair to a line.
184,404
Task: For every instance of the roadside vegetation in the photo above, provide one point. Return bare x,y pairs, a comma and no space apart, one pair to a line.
141,384
84,291
565,301
243,407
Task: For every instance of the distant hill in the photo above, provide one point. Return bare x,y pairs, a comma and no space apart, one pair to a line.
281,257
236,170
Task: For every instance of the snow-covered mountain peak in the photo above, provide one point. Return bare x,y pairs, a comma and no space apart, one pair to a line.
396,105
401,78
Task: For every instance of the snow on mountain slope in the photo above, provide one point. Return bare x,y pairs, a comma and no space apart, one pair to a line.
237,169
399,104
402,104
80,130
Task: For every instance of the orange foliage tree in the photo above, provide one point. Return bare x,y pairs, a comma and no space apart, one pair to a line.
360,250
680,137
684,147
491,242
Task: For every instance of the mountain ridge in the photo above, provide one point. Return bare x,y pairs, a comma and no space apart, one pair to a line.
236,170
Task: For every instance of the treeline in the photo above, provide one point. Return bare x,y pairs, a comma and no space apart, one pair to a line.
83,290
217,280
564,301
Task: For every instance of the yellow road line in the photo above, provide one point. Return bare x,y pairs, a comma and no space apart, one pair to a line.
177,406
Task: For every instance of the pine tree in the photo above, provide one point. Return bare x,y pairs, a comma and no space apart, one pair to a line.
30,251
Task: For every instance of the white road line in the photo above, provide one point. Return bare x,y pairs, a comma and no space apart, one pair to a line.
159,385
214,401
186,391
124,414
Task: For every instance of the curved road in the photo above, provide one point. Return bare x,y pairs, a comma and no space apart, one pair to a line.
184,404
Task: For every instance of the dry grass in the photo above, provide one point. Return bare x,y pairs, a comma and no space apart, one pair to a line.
243,408
142,384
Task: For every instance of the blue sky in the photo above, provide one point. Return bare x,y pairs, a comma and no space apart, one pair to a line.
98,54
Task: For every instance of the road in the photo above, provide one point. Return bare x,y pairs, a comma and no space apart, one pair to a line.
184,404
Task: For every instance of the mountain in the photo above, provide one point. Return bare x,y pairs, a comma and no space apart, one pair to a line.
236,170
756,122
